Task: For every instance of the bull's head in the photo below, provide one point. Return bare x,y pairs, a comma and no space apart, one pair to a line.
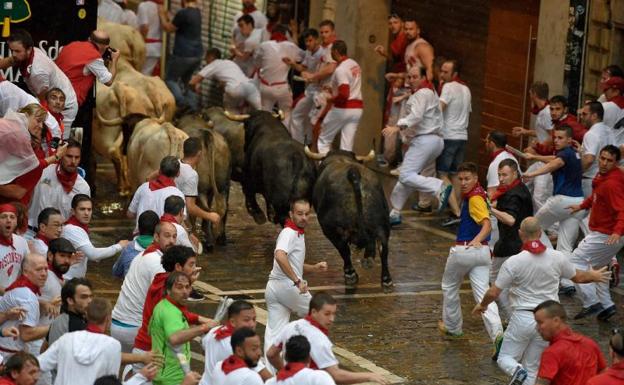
236,117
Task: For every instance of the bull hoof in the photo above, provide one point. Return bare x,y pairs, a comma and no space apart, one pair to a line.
351,279
387,285
367,263
259,217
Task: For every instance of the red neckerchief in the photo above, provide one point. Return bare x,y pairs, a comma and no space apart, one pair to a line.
23,281
477,190
161,181
182,308
619,100
535,109
291,225
43,238
317,325
457,79
502,189
168,218
57,116
289,370
151,248
332,40
7,242
278,36
157,1
232,363
249,9
52,269
534,246
425,84
74,221
25,67
94,329
224,331
67,180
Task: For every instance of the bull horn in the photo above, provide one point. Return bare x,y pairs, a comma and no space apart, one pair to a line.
108,122
161,118
236,117
313,155
367,158
279,115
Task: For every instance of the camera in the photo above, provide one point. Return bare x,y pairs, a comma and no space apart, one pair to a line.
107,55
55,142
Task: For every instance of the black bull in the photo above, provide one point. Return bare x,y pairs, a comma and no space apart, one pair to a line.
275,167
352,210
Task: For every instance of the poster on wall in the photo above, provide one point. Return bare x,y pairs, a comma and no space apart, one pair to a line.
575,47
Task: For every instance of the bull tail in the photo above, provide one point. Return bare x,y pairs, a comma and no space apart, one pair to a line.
355,178
209,143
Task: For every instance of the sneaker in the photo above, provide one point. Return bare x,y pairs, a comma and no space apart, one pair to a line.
498,342
589,311
614,268
519,376
567,290
607,313
442,328
443,196
395,218
195,296
420,209
450,221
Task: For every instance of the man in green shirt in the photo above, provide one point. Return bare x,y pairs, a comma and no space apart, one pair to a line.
170,331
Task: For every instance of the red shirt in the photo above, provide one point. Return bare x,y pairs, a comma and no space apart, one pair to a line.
612,376
397,47
578,132
72,60
571,359
607,203
27,181
6,381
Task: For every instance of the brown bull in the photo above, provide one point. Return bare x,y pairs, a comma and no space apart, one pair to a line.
234,134
127,40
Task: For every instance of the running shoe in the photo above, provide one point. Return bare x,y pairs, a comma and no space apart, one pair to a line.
395,218
567,290
519,376
420,209
607,313
450,221
589,311
442,328
443,196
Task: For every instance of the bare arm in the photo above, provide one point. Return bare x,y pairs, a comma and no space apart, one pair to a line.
6,62
425,54
587,160
273,355
549,167
591,275
12,191
32,333
504,217
282,260
183,336
196,211
164,20
324,72
342,376
486,227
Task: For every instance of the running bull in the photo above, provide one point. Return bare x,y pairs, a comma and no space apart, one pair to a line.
352,210
275,166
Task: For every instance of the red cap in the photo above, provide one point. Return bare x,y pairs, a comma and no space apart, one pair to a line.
8,208
614,82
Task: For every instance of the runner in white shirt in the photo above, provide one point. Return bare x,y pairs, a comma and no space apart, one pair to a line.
151,195
345,114
110,11
40,73
217,342
249,8
614,107
315,327
296,370
421,128
13,248
150,28
532,277
174,214
238,368
598,136
300,124
238,88
244,43
24,293
58,185
76,230
286,291
128,310
271,59
49,226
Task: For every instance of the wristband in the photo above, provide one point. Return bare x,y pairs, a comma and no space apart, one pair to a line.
297,282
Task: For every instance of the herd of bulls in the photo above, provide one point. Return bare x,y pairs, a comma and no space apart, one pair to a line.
135,131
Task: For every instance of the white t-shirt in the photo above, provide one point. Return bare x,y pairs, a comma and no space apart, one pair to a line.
81,242
50,193
11,260
45,75
613,114
129,306
457,98
24,298
224,71
39,246
533,279
147,14
348,72
598,136
247,45
424,116
14,98
543,124
312,62
215,351
305,376
241,376
50,291
268,58
110,11
182,238
145,199
188,180
321,353
293,244
260,21
492,174
411,57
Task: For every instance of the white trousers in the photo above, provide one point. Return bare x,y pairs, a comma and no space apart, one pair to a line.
125,335
522,345
282,299
422,151
235,96
592,251
504,306
149,65
343,120
69,115
587,186
300,124
494,234
279,94
541,187
476,263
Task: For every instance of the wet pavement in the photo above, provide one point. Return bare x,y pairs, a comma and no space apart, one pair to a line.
392,333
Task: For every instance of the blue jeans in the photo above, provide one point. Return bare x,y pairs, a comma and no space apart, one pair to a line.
452,155
179,72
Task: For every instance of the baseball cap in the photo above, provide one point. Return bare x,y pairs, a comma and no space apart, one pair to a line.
61,245
614,82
